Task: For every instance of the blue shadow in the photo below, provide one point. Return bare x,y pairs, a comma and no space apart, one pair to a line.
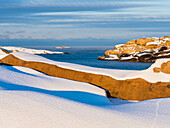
13,69
77,96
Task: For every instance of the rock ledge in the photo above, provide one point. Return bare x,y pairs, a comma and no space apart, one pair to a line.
140,50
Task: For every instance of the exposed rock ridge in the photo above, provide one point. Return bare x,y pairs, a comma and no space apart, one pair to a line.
131,89
140,50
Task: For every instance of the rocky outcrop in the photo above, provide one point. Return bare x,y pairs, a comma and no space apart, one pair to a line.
131,89
144,41
140,50
165,68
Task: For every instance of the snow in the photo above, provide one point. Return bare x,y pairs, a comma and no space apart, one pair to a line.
112,57
36,79
155,38
32,51
127,58
147,50
119,45
31,99
2,54
153,43
148,74
166,39
141,54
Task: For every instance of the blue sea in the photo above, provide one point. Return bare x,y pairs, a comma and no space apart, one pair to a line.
87,55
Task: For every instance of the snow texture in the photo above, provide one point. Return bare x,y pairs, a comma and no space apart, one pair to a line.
30,99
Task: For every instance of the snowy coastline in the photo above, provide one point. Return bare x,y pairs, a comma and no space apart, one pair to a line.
44,101
31,51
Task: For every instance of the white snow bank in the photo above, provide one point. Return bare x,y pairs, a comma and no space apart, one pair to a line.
112,57
127,58
32,51
31,99
166,39
148,74
119,45
31,109
153,43
2,54
29,77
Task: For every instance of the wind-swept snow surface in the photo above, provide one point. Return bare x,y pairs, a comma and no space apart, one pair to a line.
29,99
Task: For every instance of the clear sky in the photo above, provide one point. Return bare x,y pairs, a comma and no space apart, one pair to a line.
81,22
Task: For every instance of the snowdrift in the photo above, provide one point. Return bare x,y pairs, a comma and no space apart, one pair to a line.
32,99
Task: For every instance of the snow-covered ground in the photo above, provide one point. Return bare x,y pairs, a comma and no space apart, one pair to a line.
30,99
2,54
148,74
32,51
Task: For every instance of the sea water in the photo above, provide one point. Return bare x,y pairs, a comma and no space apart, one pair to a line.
88,56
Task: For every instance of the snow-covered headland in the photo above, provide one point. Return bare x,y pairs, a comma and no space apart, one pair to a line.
33,99
27,50
141,50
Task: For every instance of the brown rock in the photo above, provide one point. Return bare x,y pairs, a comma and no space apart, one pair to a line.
131,46
5,51
117,47
131,89
138,49
156,69
165,67
131,42
142,45
128,51
153,46
164,37
144,41
167,43
111,52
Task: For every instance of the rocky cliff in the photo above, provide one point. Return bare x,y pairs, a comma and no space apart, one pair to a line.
140,50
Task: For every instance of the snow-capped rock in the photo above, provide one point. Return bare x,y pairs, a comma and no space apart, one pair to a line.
141,48
32,51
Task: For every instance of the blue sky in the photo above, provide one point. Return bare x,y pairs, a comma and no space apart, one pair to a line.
81,22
